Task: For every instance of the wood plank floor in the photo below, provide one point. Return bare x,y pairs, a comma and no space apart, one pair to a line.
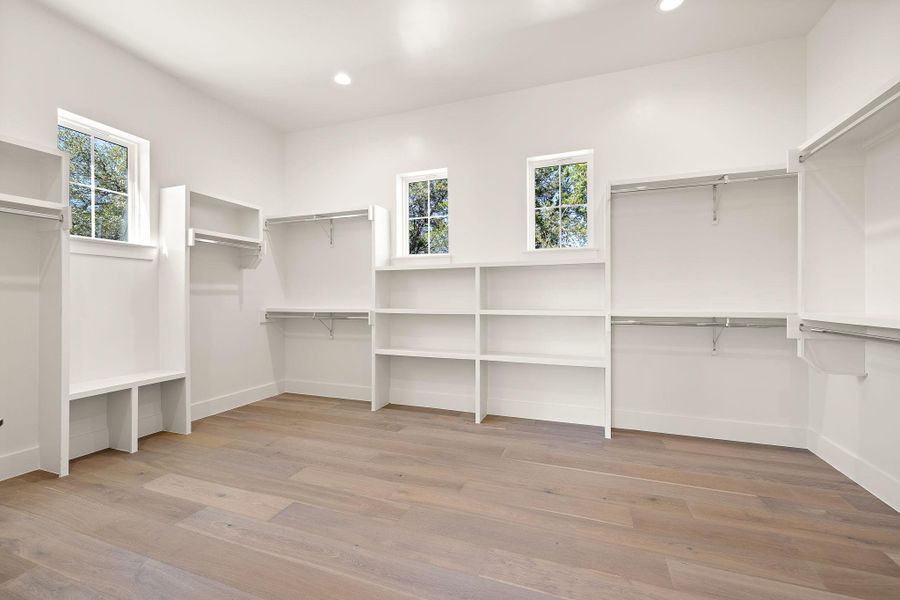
304,498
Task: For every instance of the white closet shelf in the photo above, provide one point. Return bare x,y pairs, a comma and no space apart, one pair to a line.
859,319
546,359
322,216
317,309
704,178
875,120
21,204
218,237
425,311
548,312
451,354
697,313
496,265
96,387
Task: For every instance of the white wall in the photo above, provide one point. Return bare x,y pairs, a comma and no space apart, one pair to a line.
743,107
851,52
47,63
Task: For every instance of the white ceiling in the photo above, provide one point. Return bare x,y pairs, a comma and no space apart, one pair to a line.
275,59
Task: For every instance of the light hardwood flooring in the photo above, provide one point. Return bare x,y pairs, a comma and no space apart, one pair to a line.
304,498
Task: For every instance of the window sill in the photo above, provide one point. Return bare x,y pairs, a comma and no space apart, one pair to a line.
429,259
586,251
112,248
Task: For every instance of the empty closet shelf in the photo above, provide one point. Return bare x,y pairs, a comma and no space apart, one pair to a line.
425,311
451,354
860,319
224,239
96,387
549,312
546,359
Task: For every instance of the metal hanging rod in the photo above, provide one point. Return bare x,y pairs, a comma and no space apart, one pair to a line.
725,179
320,317
727,323
853,334
243,245
30,213
849,126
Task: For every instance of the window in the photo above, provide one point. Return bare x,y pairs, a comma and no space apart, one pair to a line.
425,209
560,205
103,187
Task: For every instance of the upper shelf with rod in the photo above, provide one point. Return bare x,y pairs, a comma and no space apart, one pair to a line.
32,181
712,180
223,222
324,219
876,120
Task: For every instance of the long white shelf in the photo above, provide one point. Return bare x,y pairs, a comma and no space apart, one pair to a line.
546,359
876,119
322,216
451,354
593,260
509,357
317,309
96,387
196,234
425,311
712,313
859,319
545,312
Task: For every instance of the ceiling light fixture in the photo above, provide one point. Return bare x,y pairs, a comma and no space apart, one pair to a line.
342,79
667,5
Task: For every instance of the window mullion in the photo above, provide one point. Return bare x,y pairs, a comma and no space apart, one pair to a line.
93,193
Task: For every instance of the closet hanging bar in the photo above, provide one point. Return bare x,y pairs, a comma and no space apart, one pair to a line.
320,317
725,179
29,213
727,323
853,334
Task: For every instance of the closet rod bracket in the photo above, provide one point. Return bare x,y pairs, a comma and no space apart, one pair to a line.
329,231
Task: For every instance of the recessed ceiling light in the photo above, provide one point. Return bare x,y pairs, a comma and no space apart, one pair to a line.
667,5
342,79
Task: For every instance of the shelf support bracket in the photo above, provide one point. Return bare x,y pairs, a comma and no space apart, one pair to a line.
329,231
329,325
715,204
717,333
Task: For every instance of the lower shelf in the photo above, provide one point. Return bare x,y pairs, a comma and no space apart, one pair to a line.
546,359
123,382
450,354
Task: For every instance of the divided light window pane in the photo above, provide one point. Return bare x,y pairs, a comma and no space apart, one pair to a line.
561,206
98,185
429,209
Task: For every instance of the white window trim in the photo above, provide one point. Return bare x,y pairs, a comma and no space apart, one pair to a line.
402,238
564,158
138,188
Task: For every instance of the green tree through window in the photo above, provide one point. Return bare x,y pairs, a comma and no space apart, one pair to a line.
561,206
429,209
98,185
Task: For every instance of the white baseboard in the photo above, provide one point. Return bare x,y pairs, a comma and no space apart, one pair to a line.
877,481
20,462
546,411
717,429
214,406
327,389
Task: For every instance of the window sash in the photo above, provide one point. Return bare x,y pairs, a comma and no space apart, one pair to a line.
560,160
405,181
132,148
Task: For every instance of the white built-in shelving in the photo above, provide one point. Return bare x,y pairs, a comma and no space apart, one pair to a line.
469,336
34,273
323,308
850,235
224,222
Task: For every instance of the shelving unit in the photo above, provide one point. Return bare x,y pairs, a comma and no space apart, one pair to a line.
703,279
325,263
483,329
34,272
850,234
222,222
139,384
